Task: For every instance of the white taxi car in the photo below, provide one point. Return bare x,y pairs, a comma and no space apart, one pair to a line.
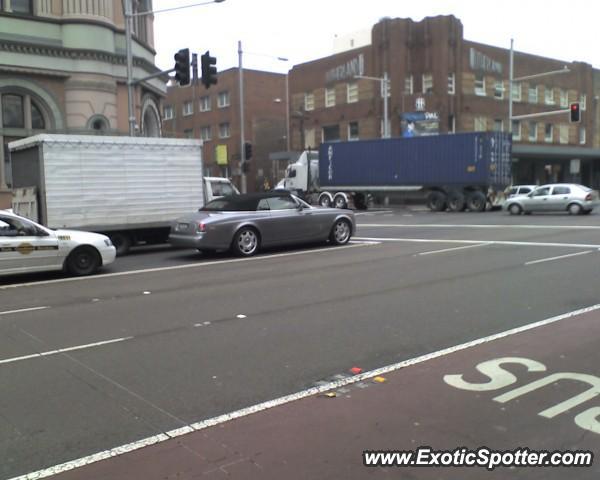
26,246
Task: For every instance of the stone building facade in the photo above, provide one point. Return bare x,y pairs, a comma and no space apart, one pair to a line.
63,70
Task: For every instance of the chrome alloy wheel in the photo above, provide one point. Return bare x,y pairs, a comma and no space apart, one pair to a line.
247,242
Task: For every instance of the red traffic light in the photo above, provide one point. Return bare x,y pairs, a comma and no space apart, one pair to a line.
575,114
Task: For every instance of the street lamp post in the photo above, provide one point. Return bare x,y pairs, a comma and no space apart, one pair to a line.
384,89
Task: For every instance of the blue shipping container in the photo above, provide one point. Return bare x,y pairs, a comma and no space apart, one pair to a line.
480,158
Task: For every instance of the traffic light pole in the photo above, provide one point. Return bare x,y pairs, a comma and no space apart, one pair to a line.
243,181
129,52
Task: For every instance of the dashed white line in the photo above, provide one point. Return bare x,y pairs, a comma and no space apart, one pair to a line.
21,310
63,350
453,249
113,452
550,259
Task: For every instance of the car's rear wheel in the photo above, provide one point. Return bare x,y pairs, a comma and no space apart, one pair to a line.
574,209
83,261
515,209
341,232
246,242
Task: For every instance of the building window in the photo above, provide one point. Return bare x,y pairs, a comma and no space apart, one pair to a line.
498,125
533,94
516,130
168,112
224,130
451,84
331,133
582,101
309,102
330,97
480,124
353,131
549,96
37,119
223,99
22,6
188,109
451,124
582,135
548,132
205,104
427,83
499,90
408,85
479,84
533,132
516,92
205,133
188,133
13,115
352,92
563,134
309,138
564,98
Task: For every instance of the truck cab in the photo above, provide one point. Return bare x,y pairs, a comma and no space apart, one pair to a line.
216,187
298,178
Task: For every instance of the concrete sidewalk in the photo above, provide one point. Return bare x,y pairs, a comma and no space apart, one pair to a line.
324,436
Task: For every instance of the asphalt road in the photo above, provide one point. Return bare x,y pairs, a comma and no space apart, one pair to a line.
164,338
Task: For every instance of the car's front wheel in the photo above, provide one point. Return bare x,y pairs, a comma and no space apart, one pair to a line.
515,209
83,261
245,242
341,232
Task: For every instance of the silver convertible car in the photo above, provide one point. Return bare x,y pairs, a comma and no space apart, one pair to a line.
246,223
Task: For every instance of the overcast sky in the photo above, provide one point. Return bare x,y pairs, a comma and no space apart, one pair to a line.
304,30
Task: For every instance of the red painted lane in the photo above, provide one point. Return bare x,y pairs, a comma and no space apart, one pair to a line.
323,437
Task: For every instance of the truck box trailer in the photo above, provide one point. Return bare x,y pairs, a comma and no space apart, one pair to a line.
456,171
130,189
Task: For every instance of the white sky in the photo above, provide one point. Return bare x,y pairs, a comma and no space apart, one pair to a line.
303,30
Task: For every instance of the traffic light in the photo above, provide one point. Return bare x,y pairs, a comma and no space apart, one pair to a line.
245,167
182,66
247,151
575,114
209,71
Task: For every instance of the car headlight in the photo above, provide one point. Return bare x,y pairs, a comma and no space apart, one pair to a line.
107,242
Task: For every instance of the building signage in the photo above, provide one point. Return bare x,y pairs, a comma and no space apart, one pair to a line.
479,61
221,155
353,67
420,124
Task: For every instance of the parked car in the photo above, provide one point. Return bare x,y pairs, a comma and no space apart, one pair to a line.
556,197
517,190
246,223
26,246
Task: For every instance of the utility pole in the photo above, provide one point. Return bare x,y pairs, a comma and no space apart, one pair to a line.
128,46
243,185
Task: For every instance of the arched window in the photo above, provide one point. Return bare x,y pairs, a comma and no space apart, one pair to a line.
37,119
21,111
98,123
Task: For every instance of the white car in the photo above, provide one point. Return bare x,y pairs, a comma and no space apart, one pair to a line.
26,246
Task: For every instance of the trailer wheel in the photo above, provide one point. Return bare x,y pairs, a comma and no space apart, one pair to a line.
325,200
121,241
339,201
476,202
436,201
83,261
456,202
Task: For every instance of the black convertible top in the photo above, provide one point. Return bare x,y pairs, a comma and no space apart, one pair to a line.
245,202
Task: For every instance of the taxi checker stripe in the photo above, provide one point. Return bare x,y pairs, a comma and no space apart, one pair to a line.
31,247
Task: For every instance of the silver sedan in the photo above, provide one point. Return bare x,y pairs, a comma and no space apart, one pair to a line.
246,223
556,197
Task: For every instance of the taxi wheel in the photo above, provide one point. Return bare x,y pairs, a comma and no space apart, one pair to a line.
83,261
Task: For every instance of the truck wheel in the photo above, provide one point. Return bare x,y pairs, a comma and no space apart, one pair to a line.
341,232
476,202
456,202
121,241
325,200
339,201
436,201
245,242
83,261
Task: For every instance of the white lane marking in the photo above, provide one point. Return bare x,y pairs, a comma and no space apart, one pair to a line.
342,382
187,265
435,225
453,249
533,262
21,310
63,350
471,242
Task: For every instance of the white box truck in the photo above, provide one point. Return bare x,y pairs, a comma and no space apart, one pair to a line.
128,188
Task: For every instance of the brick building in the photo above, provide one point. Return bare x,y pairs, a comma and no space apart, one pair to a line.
214,116
63,70
441,83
